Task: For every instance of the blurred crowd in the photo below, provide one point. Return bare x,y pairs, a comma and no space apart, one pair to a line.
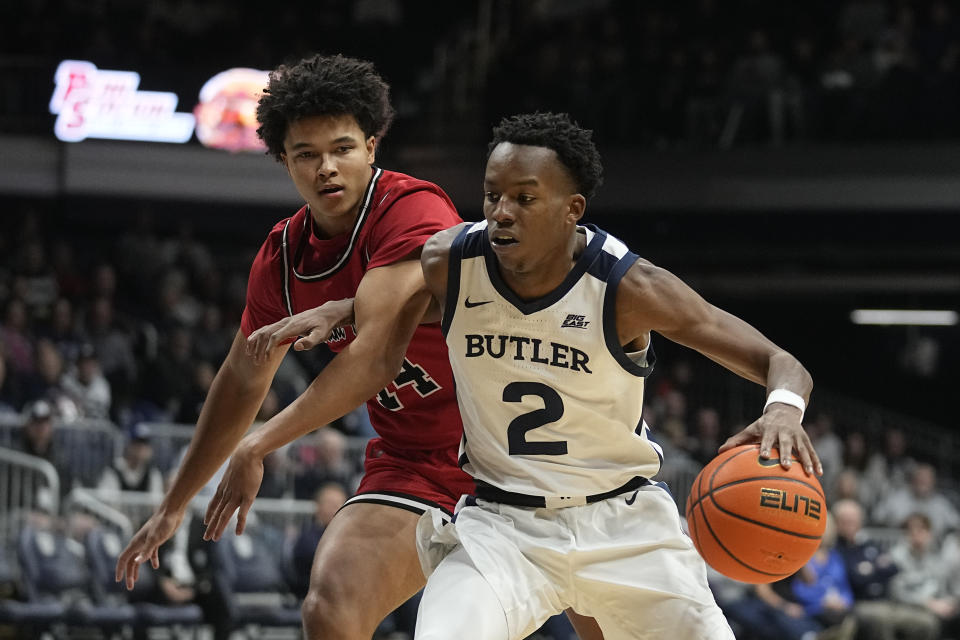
654,73
129,332
888,567
710,72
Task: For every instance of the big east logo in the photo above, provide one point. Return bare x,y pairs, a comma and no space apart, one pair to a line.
778,499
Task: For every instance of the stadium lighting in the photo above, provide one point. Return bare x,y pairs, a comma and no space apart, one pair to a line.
915,317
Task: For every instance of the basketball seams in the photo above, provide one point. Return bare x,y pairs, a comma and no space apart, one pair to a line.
759,479
805,536
706,521
773,478
706,486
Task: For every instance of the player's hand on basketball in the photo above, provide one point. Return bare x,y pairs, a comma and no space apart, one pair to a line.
779,427
236,492
312,326
145,545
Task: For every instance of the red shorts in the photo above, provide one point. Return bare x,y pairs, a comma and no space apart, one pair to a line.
412,480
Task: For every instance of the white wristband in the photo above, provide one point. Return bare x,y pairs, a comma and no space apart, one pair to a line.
785,396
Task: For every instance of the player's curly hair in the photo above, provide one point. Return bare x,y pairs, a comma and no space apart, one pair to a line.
573,144
323,86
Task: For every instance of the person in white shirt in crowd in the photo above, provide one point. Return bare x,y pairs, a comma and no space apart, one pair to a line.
927,577
920,496
87,386
134,470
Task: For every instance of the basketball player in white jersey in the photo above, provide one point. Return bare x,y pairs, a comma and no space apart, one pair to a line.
548,325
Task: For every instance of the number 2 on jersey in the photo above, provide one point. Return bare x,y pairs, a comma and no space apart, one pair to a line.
519,426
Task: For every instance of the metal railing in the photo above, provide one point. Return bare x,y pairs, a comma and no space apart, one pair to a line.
28,485
96,504
84,446
127,510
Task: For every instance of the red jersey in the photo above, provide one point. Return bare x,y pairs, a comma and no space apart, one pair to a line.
295,271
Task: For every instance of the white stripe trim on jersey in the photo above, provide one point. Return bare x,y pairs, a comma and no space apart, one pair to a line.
357,225
409,503
286,271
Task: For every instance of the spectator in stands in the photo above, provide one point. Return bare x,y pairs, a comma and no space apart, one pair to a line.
62,330
889,468
869,569
828,446
328,500
764,611
167,378
925,579
671,422
35,277
37,439
71,281
103,282
849,483
823,589
87,386
276,480
15,336
323,460
46,382
212,340
706,436
176,306
134,470
921,496
192,401
847,486
357,423
175,582
7,406
114,346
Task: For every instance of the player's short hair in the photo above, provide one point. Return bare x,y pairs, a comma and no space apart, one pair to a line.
323,86
573,144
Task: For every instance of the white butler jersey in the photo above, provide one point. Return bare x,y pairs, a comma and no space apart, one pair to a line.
551,402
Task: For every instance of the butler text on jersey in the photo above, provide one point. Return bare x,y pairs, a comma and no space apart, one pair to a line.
552,353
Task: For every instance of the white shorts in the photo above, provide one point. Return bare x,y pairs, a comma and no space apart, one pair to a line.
624,561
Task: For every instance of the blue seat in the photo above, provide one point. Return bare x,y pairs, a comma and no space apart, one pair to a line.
102,548
59,587
249,578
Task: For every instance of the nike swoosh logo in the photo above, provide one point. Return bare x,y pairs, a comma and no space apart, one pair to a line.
768,462
632,498
470,305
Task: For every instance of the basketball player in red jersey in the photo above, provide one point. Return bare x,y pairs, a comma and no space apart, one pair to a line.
359,236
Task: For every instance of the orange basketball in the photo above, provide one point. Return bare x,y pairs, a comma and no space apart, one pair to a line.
751,519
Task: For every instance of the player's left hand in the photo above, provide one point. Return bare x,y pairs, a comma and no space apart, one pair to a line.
236,492
312,327
779,427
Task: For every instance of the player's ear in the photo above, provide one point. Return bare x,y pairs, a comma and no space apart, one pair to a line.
371,149
286,162
576,206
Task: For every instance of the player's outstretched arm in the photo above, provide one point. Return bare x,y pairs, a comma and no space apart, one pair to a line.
653,299
312,327
235,396
388,306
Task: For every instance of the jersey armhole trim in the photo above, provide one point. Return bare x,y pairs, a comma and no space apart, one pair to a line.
610,321
454,259
286,270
